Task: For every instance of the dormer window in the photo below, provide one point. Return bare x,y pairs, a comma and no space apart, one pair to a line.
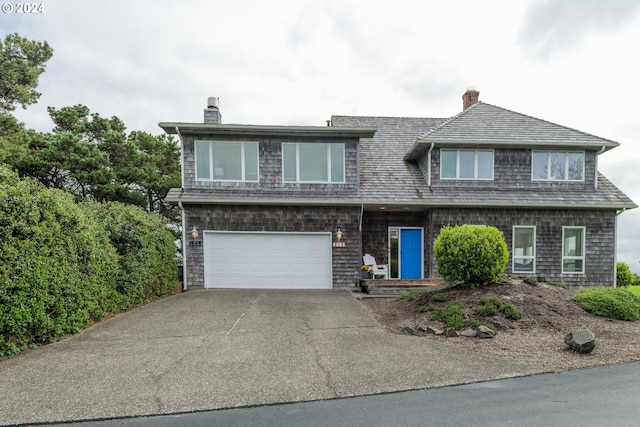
466,164
557,166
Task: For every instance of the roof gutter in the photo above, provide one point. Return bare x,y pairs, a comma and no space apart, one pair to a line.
366,203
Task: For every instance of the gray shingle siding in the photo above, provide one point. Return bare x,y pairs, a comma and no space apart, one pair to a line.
512,170
345,260
270,168
600,239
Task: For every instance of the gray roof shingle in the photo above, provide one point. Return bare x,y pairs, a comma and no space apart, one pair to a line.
386,178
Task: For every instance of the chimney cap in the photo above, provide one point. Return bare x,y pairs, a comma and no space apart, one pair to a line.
213,102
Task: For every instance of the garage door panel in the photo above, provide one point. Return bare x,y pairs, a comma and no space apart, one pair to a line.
268,260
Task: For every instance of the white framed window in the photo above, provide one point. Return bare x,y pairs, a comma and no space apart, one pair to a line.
524,249
573,249
557,165
466,164
313,163
226,161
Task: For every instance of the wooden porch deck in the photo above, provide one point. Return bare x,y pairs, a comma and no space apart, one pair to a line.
393,287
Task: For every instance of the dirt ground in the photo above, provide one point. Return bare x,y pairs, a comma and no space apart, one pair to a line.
548,315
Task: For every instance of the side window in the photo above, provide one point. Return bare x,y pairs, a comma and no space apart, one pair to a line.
466,164
524,249
573,249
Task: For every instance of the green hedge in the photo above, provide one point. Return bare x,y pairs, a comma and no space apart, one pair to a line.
64,266
57,267
146,249
471,255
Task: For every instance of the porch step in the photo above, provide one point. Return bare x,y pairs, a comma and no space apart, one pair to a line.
395,287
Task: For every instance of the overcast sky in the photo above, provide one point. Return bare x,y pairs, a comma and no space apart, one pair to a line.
297,62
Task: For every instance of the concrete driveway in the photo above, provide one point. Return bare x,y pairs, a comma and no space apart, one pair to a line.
212,349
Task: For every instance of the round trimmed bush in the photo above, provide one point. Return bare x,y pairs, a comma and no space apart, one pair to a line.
614,303
471,255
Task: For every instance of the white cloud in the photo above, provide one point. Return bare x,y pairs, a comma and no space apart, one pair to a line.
571,62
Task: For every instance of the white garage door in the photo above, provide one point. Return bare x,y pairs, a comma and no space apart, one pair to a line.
267,260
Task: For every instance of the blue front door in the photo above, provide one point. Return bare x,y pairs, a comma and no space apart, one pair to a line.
410,253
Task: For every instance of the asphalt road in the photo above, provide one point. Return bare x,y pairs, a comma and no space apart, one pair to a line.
603,396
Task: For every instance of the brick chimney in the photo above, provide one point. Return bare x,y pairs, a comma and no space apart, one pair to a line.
470,98
212,112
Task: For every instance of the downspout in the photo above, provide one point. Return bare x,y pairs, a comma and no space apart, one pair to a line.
615,248
596,173
429,165
184,232
184,249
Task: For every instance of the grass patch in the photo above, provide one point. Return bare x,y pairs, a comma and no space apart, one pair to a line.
634,290
441,297
614,303
558,284
411,295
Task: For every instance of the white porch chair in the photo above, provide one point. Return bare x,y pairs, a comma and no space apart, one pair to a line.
378,270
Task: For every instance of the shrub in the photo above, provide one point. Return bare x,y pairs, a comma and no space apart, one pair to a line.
624,276
453,315
511,312
146,252
411,295
491,305
57,266
471,254
486,310
615,303
440,297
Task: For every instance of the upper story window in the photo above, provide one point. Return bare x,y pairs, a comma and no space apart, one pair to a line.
315,163
226,161
466,164
557,165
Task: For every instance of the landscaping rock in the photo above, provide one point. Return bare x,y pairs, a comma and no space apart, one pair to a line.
484,332
431,330
469,333
439,332
451,333
581,341
409,330
421,329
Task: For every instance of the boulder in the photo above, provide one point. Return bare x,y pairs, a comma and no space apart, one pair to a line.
469,333
451,333
484,332
581,341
